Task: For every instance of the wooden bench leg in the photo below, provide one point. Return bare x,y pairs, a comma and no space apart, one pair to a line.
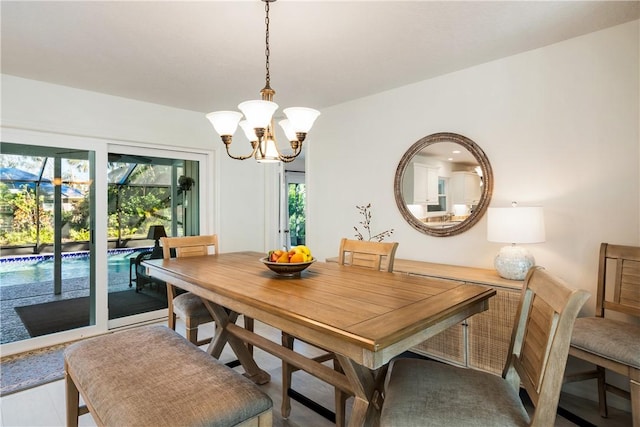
72,400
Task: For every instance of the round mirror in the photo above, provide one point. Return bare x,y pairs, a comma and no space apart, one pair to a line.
443,184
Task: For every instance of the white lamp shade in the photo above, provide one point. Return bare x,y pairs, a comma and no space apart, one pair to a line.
301,118
248,131
258,112
270,152
516,225
224,122
288,130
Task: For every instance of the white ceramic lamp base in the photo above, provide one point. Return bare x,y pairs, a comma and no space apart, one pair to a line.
513,262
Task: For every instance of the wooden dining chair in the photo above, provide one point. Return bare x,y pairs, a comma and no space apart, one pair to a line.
612,343
187,306
362,253
420,392
357,253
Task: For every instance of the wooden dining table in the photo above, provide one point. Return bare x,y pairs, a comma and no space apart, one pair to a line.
365,317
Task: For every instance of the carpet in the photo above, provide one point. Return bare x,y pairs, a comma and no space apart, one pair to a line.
57,316
31,369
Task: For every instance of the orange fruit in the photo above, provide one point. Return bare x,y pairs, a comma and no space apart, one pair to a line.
297,258
284,257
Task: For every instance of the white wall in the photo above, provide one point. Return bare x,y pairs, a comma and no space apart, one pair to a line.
35,105
558,124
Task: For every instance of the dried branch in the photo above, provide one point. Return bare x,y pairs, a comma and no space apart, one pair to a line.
366,224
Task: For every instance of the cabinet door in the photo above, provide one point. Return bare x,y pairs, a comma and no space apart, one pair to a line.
432,186
420,189
465,188
425,184
489,332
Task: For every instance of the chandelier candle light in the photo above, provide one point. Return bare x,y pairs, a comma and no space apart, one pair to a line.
515,225
258,125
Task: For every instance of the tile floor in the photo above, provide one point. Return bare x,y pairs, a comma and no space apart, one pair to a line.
44,405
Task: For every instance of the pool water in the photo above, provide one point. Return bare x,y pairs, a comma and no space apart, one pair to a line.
39,268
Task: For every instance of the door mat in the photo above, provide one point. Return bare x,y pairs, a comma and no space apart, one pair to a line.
57,316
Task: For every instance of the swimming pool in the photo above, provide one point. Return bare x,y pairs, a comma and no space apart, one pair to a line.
16,270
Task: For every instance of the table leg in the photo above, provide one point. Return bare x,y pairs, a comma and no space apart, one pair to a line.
365,411
221,337
287,371
219,314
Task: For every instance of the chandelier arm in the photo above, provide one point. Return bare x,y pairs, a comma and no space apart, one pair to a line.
289,158
253,153
286,159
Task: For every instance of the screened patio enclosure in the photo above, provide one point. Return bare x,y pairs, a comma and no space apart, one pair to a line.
142,192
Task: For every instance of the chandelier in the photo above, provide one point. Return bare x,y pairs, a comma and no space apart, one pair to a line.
258,125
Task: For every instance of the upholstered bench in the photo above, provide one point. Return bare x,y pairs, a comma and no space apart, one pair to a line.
152,376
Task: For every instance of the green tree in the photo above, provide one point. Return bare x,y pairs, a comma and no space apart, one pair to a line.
133,209
27,213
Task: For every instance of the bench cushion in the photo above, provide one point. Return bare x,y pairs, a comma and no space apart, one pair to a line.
153,376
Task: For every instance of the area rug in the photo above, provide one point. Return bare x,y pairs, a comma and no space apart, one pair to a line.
34,368
63,315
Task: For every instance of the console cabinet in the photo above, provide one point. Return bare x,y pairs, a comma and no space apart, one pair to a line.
482,341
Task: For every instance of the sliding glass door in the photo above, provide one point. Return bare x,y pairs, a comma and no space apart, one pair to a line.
47,264
149,197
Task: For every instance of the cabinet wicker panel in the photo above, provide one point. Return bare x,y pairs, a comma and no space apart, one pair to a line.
489,332
448,345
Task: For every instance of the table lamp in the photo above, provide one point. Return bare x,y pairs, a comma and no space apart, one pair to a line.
155,233
515,225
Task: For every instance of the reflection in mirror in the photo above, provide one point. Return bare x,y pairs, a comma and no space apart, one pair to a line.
443,184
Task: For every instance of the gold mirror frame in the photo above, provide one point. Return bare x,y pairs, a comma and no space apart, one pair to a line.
487,186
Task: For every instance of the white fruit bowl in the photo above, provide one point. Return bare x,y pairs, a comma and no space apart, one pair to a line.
287,268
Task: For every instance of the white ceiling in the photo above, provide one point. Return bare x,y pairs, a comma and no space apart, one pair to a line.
209,55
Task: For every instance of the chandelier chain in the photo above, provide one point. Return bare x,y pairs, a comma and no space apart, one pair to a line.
266,50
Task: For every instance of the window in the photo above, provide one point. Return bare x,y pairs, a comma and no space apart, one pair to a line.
442,197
